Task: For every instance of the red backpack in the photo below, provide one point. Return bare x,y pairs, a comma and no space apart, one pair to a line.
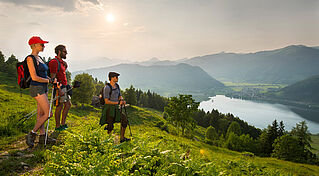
24,77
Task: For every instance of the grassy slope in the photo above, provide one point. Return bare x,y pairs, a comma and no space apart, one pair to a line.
14,105
149,143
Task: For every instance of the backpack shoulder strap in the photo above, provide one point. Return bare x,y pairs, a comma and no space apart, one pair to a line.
110,90
42,59
59,66
34,61
118,87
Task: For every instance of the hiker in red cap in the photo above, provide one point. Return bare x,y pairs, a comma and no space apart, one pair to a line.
57,70
38,90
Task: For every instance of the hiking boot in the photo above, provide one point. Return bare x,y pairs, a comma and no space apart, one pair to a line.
30,138
60,128
49,140
125,139
65,126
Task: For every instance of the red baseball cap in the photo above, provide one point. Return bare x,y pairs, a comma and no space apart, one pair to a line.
36,39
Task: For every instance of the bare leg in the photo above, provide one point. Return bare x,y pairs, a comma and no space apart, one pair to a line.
40,113
43,109
58,114
67,106
122,132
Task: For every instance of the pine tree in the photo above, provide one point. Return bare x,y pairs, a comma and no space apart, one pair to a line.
11,65
130,96
268,137
2,62
286,147
302,133
281,130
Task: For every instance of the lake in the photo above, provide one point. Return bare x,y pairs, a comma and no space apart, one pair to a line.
258,114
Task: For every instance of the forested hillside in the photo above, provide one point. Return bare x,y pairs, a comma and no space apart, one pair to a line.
303,91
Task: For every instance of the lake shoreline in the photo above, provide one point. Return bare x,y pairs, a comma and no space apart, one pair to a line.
293,105
266,111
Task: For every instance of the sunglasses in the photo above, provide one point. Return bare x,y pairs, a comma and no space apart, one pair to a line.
41,44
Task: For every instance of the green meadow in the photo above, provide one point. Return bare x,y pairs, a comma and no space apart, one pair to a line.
157,147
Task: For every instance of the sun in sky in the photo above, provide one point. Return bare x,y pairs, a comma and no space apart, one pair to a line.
110,18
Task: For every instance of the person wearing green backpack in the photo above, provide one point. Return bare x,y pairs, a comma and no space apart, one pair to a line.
110,111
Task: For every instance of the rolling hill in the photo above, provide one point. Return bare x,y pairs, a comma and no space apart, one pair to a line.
282,66
304,91
165,79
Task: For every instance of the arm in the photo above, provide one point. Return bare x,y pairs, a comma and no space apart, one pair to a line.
53,75
107,101
33,72
106,96
121,100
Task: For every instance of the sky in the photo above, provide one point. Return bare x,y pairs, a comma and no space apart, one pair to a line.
138,30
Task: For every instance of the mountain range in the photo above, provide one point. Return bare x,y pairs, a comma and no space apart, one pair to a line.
167,80
282,66
202,75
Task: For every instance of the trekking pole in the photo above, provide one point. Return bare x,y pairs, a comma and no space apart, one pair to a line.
129,125
76,85
51,100
26,117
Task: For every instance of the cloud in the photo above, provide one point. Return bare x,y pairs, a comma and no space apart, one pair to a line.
65,5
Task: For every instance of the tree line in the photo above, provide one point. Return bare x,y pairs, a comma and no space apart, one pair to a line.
9,66
91,87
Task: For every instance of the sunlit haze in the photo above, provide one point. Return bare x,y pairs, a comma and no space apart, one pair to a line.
110,18
135,30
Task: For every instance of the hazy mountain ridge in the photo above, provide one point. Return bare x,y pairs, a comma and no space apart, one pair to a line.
284,66
167,80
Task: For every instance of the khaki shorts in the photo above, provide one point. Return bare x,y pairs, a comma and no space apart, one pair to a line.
62,99
66,97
